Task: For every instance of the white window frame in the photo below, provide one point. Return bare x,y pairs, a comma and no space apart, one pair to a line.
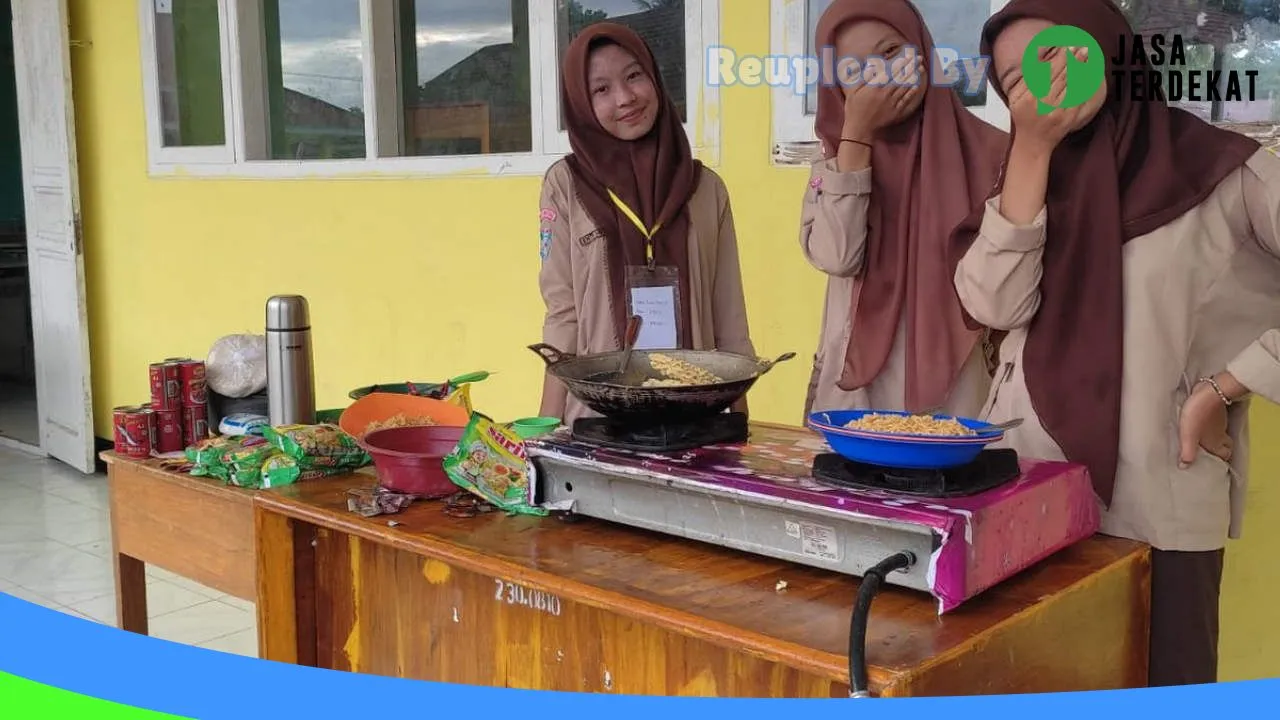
245,154
158,152
702,101
794,140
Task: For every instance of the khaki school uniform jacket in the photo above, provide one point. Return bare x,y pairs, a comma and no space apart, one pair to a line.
833,237
1201,295
574,278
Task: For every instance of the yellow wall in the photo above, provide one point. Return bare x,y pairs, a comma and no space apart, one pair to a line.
425,278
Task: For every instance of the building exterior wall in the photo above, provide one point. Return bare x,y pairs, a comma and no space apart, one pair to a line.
419,279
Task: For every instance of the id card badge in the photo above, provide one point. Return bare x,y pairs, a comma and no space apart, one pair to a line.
654,295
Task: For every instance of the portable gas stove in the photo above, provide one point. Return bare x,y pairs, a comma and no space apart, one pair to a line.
781,493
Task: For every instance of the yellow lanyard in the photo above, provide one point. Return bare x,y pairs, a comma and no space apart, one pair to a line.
635,220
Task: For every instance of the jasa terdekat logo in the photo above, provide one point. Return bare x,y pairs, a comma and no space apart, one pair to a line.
1143,68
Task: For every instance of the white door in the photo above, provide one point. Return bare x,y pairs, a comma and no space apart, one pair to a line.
45,114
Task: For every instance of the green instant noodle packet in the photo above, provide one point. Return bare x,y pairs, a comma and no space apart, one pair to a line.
214,457
247,477
490,462
280,470
246,464
318,446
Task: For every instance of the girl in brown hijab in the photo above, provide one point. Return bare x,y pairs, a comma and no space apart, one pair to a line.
902,164
1133,255
631,212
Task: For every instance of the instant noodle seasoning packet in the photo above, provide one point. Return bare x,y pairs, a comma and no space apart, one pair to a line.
490,462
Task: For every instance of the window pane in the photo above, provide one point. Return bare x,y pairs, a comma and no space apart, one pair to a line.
954,24
315,79
189,66
659,22
1222,35
466,79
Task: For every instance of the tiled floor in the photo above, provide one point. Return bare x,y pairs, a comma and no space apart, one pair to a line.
54,546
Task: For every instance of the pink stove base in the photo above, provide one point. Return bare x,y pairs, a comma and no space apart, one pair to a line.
984,539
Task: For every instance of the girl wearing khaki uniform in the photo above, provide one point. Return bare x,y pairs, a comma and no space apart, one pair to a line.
1133,256
903,163
631,208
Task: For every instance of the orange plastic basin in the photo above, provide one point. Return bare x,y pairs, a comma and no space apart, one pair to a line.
380,407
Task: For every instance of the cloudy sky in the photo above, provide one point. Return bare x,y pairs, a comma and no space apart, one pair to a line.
321,51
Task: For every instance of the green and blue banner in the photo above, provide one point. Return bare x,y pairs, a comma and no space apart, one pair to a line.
57,666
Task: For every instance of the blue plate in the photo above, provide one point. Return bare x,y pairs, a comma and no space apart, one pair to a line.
915,452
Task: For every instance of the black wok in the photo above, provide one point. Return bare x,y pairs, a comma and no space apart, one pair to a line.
633,403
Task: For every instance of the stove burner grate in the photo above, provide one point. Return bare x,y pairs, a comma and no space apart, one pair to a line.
725,428
991,469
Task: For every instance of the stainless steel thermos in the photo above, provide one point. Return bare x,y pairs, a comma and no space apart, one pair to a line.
291,388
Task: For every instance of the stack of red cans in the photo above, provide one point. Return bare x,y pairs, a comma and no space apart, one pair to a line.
180,403
194,400
176,418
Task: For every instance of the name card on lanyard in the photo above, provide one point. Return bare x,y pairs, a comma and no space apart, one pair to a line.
653,291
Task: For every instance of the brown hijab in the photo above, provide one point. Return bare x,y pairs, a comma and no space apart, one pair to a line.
1135,168
928,172
654,175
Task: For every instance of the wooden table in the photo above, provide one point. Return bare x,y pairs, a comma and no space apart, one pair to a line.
589,606
195,527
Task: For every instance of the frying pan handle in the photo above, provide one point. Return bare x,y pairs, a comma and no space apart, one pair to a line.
767,365
633,331
549,354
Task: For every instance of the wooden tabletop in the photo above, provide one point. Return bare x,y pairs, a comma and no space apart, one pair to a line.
198,528
204,485
713,593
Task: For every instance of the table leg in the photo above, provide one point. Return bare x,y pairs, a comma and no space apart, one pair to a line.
131,594
285,552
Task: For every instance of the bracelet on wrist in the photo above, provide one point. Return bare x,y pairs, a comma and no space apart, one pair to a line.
856,142
1208,380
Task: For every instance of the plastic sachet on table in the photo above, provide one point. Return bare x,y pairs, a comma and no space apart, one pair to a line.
376,500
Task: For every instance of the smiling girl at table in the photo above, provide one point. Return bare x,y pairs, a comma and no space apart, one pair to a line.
904,163
631,216
1134,258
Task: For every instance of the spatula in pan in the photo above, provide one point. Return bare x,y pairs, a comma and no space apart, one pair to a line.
624,375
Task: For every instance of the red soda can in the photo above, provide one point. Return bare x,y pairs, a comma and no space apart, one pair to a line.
191,373
169,435
166,386
195,424
134,431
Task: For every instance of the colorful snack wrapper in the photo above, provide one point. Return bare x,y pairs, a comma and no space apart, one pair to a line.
249,454
250,475
318,446
490,462
209,451
281,470
213,457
